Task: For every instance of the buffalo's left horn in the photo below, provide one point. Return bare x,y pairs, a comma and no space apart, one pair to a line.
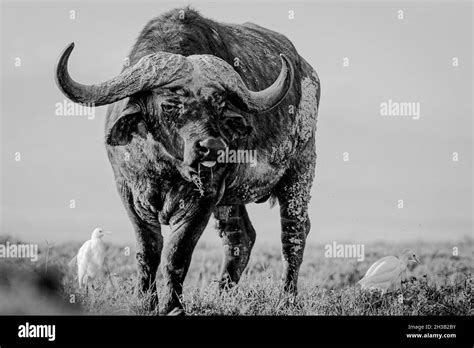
247,100
271,96
151,71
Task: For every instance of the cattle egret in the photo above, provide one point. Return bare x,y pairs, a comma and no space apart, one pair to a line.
90,258
387,271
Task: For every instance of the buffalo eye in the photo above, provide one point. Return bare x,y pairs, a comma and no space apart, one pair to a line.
168,108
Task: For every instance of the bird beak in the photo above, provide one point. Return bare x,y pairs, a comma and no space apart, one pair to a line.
416,259
107,232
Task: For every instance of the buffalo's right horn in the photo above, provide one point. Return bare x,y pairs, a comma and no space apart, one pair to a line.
150,71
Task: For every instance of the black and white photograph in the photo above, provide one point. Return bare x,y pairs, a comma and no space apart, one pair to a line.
236,171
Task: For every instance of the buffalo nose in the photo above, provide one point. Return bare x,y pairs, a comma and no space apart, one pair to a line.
211,146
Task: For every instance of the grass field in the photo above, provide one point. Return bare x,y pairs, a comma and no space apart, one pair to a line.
440,285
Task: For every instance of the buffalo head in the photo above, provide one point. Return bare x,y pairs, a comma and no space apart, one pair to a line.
192,105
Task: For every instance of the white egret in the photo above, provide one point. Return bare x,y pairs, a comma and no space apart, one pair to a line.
387,271
90,258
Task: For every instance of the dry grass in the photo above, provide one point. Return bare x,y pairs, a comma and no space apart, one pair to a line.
441,285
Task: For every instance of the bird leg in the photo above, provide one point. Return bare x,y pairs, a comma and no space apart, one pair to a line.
108,273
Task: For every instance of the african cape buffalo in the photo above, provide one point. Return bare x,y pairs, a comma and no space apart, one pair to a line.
193,88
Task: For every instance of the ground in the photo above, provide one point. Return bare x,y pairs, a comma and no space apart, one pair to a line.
440,285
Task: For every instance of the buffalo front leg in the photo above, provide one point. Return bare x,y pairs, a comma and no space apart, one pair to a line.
293,196
238,237
185,233
149,247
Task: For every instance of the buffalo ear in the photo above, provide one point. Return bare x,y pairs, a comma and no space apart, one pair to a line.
129,122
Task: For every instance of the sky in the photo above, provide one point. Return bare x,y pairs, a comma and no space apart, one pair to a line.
365,55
